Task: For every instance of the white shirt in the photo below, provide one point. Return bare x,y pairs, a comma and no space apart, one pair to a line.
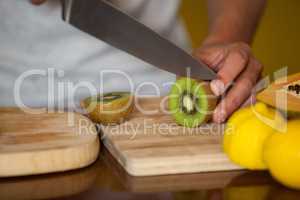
36,38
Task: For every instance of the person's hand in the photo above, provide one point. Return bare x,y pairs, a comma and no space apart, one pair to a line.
237,70
37,2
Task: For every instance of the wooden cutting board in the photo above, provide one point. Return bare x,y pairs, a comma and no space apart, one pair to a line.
152,144
43,143
174,182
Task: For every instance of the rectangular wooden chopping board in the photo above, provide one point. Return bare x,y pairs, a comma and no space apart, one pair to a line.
150,143
32,144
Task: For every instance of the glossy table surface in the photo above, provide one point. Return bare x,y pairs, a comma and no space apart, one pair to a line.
107,180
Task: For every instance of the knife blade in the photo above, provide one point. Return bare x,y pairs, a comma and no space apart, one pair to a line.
109,24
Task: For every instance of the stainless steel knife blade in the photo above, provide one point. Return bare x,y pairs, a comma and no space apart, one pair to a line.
109,24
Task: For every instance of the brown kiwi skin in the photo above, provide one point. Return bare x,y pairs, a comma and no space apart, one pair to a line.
213,100
98,113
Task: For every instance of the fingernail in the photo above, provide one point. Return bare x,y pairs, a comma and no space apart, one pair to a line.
217,87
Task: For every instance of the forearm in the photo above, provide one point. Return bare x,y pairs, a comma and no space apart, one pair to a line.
233,20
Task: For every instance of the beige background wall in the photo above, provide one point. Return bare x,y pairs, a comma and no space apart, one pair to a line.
277,42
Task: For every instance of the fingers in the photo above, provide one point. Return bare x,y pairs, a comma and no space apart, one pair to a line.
212,56
37,2
239,92
250,101
234,64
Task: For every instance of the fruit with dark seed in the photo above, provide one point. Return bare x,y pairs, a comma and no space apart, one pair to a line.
191,102
110,108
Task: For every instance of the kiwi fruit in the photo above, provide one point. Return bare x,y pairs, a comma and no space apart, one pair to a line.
110,108
191,102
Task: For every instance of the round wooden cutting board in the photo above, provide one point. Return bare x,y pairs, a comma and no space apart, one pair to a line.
33,144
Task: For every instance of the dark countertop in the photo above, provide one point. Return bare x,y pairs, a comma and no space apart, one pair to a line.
107,180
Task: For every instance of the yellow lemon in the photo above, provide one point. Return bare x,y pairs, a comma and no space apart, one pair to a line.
246,132
282,155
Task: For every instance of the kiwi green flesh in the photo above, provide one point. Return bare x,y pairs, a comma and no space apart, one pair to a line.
188,103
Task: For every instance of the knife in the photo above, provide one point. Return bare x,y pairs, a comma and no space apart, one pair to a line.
109,24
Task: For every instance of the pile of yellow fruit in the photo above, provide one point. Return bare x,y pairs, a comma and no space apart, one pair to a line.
259,138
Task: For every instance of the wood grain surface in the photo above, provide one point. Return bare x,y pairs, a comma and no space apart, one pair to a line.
152,144
43,143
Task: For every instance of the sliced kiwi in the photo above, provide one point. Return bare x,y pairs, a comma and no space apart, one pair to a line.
191,102
110,108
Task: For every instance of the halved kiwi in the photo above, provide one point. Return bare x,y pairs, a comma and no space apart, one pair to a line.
110,108
191,102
